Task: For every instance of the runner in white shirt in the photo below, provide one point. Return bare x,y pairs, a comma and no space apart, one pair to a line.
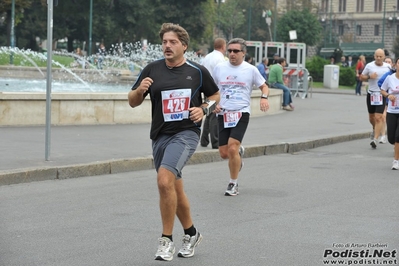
210,124
375,102
390,90
235,79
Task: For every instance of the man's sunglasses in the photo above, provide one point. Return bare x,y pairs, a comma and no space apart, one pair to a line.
234,51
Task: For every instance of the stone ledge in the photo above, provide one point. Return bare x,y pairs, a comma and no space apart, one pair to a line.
26,109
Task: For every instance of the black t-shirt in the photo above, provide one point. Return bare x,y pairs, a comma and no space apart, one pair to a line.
191,76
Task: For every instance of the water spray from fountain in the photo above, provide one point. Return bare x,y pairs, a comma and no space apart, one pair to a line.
121,60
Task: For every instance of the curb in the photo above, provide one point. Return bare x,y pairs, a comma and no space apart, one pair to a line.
146,163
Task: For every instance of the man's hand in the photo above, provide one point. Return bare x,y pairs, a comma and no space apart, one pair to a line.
144,85
196,114
264,104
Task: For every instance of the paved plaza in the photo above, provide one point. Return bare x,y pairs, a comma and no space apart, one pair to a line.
313,206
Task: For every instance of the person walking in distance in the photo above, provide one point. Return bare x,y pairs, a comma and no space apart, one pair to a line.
175,85
210,126
235,79
375,102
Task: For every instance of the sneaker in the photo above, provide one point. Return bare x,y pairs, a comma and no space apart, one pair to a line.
189,244
287,108
166,249
395,165
241,152
373,144
383,139
292,106
232,190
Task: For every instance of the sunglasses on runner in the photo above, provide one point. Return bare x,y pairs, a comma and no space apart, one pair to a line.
234,51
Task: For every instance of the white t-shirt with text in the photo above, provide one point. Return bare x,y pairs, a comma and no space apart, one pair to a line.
391,85
373,68
235,85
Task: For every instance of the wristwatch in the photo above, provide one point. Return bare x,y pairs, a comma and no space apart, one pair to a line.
205,110
264,96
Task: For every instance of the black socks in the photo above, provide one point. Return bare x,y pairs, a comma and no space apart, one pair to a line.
191,231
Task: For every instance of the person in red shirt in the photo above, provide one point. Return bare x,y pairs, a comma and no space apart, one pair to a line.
361,62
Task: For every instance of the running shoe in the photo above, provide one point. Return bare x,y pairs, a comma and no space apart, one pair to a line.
373,144
383,139
189,244
166,249
395,165
232,190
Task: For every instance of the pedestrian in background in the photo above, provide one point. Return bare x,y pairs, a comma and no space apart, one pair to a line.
262,67
210,126
276,81
361,63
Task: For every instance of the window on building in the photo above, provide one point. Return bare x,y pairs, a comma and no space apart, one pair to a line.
358,30
342,6
376,30
377,5
325,5
397,29
360,6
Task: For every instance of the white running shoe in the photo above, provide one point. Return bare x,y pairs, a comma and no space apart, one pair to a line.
189,244
383,139
232,190
166,249
395,165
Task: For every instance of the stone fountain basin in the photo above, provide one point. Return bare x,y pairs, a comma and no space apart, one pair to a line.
81,108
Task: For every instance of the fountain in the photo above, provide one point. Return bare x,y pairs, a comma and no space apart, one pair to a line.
79,95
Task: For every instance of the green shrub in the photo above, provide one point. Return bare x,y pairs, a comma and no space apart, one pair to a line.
347,76
315,66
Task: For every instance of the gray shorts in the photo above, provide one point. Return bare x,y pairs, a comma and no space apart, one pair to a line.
173,151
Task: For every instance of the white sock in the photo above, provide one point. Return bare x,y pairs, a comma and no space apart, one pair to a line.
234,181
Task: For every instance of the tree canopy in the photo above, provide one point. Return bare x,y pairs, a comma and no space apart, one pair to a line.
131,21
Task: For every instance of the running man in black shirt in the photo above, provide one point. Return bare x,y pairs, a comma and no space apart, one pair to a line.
175,86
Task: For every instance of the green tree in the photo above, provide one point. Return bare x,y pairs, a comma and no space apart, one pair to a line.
113,21
5,7
306,24
231,17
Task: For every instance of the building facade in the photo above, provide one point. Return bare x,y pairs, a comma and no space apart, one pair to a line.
359,21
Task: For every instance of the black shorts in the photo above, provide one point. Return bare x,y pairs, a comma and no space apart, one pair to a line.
236,132
372,109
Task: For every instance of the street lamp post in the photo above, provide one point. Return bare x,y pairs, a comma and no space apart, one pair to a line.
267,14
249,20
12,41
90,26
383,23
275,20
329,40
